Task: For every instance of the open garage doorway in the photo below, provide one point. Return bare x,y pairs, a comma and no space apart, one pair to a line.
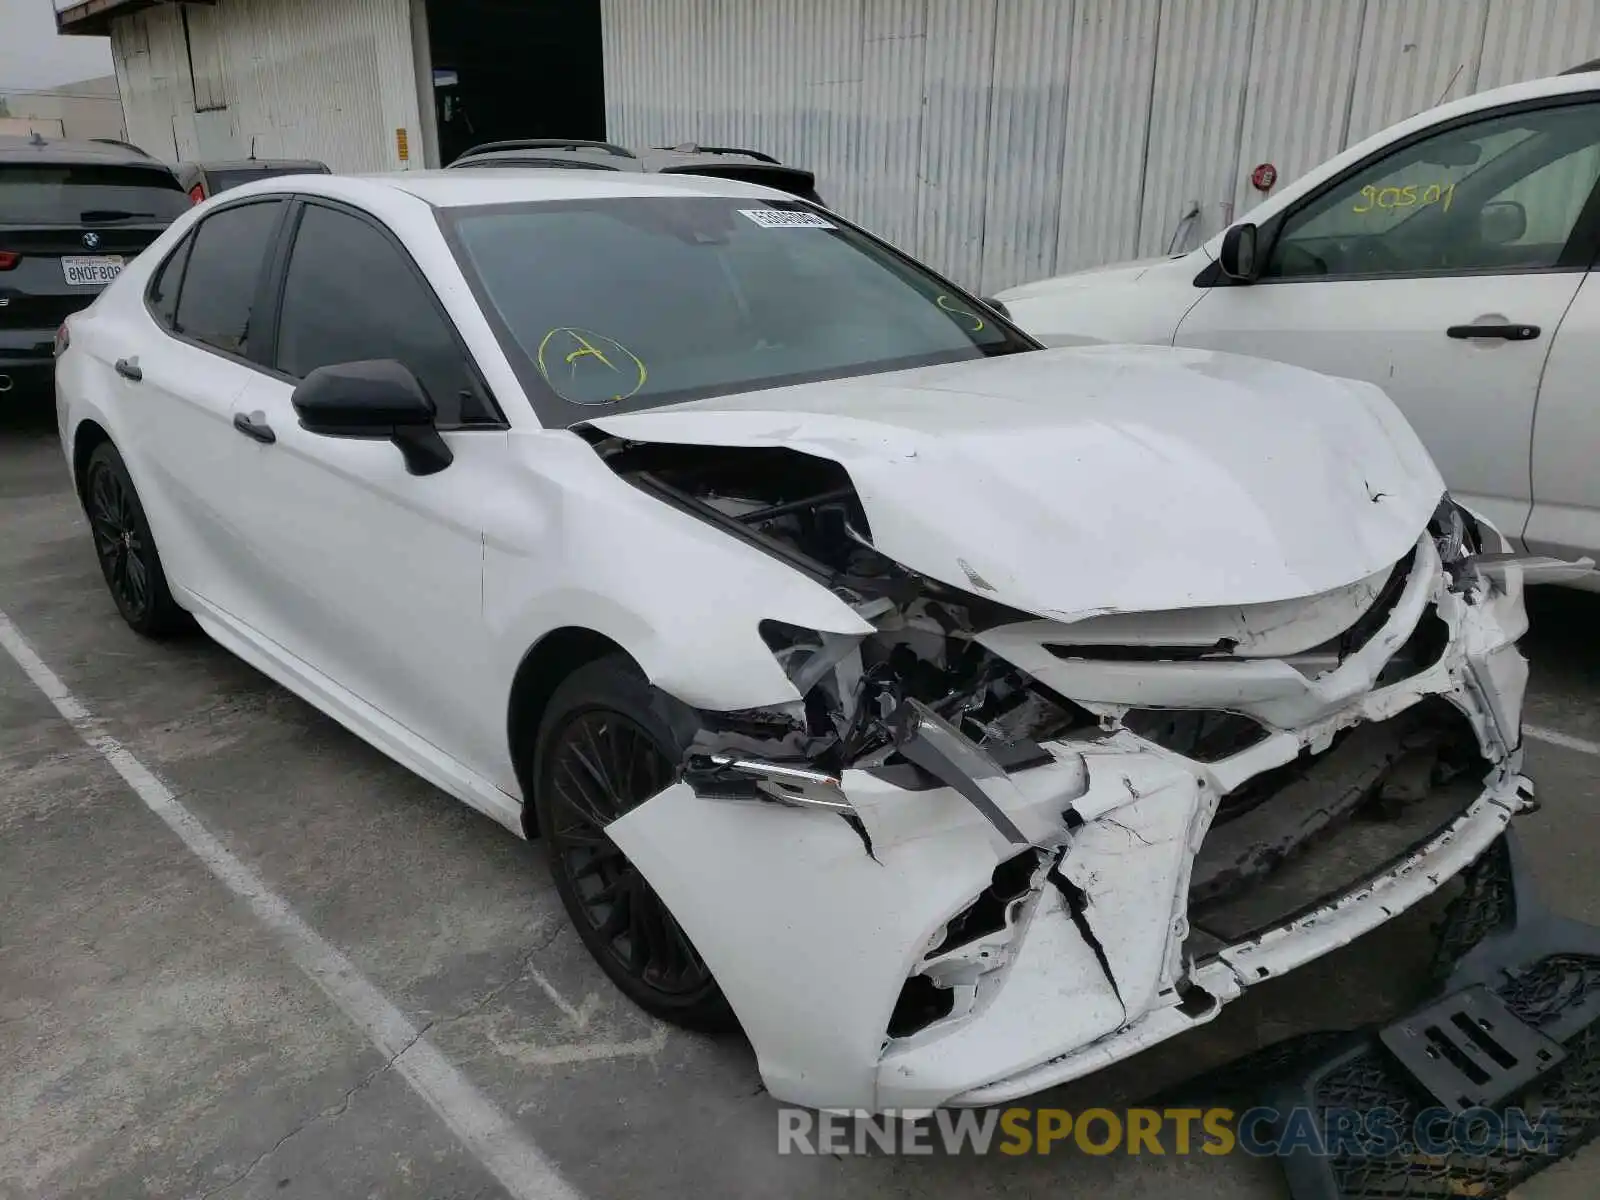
515,69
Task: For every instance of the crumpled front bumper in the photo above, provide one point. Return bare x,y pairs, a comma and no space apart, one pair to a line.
813,922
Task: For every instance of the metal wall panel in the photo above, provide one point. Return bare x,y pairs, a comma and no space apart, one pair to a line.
1529,39
204,26
1301,85
1415,54
783,76
153,73
1197,110
303,78
883,192
954,167
1011,139
1027,142
1111,73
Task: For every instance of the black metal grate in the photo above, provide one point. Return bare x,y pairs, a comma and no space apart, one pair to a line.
1485,904
1552,987
1570,1095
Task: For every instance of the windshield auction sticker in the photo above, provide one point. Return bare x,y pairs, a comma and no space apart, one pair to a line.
785,218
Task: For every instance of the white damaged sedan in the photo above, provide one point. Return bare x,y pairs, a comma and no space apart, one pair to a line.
956,716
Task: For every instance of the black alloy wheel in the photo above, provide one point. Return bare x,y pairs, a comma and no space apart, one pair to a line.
602,752
123,544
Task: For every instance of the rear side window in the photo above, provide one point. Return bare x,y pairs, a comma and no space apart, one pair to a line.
75,194
352,295
223,273
164,287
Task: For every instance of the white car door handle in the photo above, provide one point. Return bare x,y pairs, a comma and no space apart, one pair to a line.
128,368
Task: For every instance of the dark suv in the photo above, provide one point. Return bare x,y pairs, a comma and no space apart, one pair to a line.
72,214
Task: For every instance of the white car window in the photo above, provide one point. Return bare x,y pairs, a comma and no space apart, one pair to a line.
1501,194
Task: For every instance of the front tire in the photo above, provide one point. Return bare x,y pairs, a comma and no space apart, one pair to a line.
602,750
126,550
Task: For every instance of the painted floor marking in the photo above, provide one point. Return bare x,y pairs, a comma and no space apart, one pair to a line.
1565,740
486,1132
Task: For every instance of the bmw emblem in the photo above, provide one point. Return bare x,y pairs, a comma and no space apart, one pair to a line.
92,240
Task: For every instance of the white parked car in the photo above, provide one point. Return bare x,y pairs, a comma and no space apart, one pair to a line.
958,716
1447,259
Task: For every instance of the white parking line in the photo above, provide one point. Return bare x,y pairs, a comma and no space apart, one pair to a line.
1565,740
486,1132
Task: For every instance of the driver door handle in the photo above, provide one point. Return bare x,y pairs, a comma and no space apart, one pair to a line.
1510,333
128,368
258,431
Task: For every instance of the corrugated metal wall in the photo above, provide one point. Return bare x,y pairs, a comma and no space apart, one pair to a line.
1005,140
300,79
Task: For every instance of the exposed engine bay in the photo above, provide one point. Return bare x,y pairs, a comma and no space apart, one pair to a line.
859,696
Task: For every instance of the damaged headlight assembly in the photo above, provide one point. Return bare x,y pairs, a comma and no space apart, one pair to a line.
1459,539
918,701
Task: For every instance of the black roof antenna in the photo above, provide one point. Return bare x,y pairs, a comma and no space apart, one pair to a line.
252,147
36,138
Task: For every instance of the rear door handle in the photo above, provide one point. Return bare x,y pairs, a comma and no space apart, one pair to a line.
258,431
128,368
1509,333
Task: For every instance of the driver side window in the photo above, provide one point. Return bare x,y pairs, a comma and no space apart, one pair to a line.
1503,194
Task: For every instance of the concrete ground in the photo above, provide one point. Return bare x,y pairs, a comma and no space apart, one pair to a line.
158,1039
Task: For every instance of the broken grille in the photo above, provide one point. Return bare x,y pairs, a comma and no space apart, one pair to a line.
1298,837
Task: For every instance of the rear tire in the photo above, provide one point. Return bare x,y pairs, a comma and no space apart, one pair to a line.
126,550
601,751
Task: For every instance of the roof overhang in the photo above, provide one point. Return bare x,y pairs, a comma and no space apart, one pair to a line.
94,17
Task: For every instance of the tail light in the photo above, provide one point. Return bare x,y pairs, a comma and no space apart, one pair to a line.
197,194
8,259
63,339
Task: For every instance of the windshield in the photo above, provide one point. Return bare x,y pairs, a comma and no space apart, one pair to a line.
73,194
631,303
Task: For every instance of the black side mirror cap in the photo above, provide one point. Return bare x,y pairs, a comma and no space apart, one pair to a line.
1237,257
379,399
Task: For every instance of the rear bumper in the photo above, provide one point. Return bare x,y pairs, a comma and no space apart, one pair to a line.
27,359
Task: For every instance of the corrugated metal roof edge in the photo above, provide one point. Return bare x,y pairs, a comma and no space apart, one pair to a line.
94,17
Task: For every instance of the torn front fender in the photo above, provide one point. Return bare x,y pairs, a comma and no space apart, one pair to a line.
810,938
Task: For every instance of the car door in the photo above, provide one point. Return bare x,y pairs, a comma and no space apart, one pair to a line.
177,377
369,575
1439,269
1566,431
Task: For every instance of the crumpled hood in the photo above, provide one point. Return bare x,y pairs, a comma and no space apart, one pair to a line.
1070,483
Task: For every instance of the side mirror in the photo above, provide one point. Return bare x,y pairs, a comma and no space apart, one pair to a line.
1501,223
1237,257
998,306
380,399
